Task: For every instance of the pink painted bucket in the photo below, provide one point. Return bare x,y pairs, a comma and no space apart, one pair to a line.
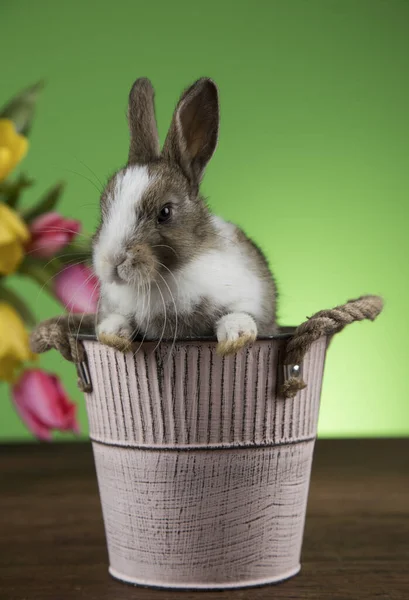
203,469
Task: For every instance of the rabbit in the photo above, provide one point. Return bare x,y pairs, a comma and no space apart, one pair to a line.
169,268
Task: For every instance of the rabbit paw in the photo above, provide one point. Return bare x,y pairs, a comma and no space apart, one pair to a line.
115,331
234,331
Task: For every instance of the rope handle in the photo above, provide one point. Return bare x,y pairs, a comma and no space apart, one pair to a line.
61,333
324,322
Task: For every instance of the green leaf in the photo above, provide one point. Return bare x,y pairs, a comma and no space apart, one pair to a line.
21,108
7,295
45,204
10,192
41,275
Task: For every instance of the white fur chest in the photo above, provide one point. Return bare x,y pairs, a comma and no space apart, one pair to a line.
224,277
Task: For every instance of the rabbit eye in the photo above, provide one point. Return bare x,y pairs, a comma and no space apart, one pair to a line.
165,214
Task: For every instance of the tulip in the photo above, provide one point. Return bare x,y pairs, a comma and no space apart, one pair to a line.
13,237
13,147
50,233
77,288
14,343
43,404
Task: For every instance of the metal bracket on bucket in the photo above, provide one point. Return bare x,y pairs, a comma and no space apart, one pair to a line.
292,371
84,381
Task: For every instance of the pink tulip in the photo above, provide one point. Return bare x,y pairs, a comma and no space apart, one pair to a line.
50,233
77,288
43,404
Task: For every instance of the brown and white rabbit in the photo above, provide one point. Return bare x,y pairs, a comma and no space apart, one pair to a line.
167,266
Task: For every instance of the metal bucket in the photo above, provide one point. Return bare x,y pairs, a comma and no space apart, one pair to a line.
203,469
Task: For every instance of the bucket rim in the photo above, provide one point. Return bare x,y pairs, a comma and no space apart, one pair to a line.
284,333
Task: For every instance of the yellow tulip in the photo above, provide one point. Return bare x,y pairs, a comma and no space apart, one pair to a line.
13,147
14,345
13,236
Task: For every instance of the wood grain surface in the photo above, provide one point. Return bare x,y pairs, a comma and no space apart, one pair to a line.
356,543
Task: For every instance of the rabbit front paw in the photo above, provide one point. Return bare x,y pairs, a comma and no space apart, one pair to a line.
116,332
234,331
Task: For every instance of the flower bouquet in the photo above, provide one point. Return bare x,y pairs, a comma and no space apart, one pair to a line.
39,243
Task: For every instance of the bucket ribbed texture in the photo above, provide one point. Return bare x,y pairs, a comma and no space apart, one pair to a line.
203,469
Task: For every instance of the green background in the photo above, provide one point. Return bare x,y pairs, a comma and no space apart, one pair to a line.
312,159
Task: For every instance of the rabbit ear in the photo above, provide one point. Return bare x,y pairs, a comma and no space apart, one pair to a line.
144,146
193,133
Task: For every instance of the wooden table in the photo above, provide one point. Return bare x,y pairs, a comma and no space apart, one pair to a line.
356,542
